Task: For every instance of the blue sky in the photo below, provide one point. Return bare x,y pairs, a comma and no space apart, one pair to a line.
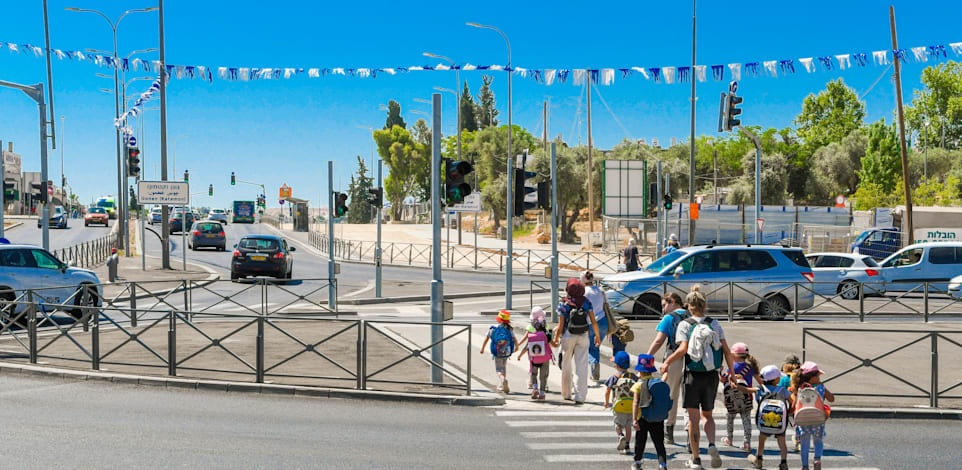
278,131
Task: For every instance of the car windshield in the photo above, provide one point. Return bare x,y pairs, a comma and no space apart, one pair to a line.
97,210
106,204
862,236
664,261
258,244
209,228
57,210
868,261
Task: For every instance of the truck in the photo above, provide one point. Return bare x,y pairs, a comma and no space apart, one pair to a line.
243,212
929,224
109,205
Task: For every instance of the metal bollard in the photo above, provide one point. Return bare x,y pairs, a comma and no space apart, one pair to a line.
133,305
260,349
172,344
112,262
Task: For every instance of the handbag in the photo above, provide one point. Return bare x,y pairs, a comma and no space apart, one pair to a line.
612,324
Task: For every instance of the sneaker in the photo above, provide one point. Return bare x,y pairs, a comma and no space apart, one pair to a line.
506,389
663,466
747,446
798,446
669,434
817,465
715,458
622,442
535,394
783,466
541,395
530,384
628,451
727,441
579,402
755,460
636,466
693,463
596,371
805,467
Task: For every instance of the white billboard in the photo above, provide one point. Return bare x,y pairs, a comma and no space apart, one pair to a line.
174,193
624,188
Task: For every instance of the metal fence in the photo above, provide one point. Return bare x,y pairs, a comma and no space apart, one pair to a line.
901,357
90,253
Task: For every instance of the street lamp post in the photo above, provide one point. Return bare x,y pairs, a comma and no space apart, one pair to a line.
510,168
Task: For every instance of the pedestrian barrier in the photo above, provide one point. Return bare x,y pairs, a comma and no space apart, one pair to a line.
89,253
900,356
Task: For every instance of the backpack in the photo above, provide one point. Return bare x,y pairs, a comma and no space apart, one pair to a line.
622,391
701,366
676,318
539,350
661,401
736,401
771,417
809,408
577,319
502,341
624,333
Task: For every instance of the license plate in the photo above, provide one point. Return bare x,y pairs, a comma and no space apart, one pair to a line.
259,258
211,235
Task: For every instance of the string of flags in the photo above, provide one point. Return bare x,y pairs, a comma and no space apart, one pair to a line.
602,76
135,108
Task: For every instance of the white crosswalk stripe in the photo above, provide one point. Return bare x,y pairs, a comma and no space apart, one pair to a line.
578,437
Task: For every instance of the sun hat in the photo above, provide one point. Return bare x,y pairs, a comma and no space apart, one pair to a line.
575,288
739,348
537,313
622,359
646,363
770,373
673,237
504,316
808,367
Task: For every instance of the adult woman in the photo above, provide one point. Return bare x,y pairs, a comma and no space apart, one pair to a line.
675,312
598,300
576,315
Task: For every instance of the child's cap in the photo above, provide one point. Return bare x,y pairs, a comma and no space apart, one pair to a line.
770,373
808,367
792,359
537,313
622,359
504,316
646,363
739,348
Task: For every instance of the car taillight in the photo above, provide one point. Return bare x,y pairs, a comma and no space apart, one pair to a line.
196,233
809,276
238,254
872,272
221,234
279,256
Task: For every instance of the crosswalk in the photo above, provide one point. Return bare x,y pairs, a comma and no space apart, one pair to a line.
572,437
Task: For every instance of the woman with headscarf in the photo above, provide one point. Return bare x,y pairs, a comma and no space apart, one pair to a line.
576,316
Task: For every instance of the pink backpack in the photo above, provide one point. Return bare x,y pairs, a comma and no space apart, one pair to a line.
539,349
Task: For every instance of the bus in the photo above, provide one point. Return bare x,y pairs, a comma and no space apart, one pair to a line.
107,202
243,212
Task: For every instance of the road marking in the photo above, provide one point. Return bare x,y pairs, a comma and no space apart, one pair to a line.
531,424
566,434
594,414
370,286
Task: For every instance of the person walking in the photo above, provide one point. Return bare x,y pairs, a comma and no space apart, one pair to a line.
703,347
575,318
649,411
599,302
672,244
618,396
503,344
675,313
630,256
810,411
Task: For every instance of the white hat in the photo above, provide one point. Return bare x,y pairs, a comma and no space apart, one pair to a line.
673,237
770,373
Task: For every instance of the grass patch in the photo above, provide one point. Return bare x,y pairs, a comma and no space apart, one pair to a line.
523,229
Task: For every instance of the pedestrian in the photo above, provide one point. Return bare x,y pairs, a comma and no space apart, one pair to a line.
771,416
537,313
650,407
672,244
618,397
630,256
674,313
791,363
810,411
598,302
738,393
622,336
538,341
576,317
503,344
702,345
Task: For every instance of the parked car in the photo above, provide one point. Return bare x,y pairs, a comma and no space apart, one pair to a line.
207,233
879,243
935,263
955,287
96,215
762,275
841,273
219,215
58,218
29,267
175,219
259,255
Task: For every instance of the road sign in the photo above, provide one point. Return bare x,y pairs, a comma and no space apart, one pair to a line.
471,203
174,193
281,202
760,223
839,201
131,141
285,191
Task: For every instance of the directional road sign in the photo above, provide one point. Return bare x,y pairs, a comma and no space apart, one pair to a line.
174,193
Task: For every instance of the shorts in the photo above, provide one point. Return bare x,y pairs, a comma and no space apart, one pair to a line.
701,389
781,434
500,364
623,420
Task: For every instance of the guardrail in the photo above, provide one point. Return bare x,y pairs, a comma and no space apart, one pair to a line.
909,373
89,253
411,254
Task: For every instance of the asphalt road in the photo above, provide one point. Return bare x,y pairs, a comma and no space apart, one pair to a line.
75,233
65,425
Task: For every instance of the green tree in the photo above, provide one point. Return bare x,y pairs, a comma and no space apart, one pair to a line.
491,145
881,164
829,116
940,104
408,165
774,180
573,184
487,114
835,169
394,115
422,135
359,211
469,120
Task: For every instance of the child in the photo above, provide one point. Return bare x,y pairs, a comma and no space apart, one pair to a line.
503,344
538,349
808,377
652,401
771,416
622,336
620,385
537,314
792,362
738,393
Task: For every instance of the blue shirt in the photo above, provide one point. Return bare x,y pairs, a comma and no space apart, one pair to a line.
785,382
564,310
669,326
782,392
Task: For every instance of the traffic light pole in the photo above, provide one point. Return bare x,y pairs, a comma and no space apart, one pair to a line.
758,178
437,285
377,260
3,177
554,234
510,232
331,288
659,210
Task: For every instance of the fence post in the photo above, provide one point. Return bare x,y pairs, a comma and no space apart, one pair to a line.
172,344
360,362
467,385
31,325
410,254
731,302
362,324
133,305
186,301
391,250
804,337
934,401
95,338
260,350
795,309
861,302
475,254
925,302
501,261
529,261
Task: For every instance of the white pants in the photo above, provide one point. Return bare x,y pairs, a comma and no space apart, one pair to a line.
574,348
676,370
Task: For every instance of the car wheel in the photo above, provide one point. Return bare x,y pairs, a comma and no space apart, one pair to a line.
774,307
649,305
86,296
848,290
234,276
9,312
86,224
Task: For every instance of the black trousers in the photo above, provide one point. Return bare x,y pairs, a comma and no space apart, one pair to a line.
657,431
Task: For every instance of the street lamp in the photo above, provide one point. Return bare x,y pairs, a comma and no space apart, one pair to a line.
509,270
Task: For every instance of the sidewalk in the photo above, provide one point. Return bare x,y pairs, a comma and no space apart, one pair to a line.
154,278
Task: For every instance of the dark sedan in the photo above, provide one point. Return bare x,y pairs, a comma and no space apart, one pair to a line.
262,255
175,221
207,233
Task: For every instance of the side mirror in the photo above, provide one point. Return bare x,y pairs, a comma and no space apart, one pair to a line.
292,248
679,271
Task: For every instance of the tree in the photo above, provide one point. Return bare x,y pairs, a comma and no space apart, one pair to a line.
829,116
422,135
573,184
881,164
491,145
486,113
835,169
774,180
469,120
940,104
359,211
394,115
408,165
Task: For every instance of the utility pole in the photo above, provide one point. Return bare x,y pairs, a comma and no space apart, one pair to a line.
331,265
554,234
909,235
437,285
715,180
658,210
591,192
377,261
509,267
165,209
691,139
544,118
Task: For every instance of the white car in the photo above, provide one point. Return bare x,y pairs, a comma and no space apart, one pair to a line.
25,267
841,273
955,287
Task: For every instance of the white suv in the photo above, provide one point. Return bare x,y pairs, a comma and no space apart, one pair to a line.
25,267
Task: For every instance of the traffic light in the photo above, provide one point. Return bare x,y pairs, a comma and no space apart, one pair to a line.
8,192
375,197
340,204
732,111
133,162
667,202
186,176
522,188
233,180
544,195
40,191
210,190
455,189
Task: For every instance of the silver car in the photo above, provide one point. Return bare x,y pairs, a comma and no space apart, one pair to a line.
841,273
219,215
756,279
29,267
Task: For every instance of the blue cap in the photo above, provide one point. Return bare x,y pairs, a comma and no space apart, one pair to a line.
646,363
622,359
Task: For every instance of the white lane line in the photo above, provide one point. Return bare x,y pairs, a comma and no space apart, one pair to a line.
574,445
531,424
594,414
566,434
582,458
370,286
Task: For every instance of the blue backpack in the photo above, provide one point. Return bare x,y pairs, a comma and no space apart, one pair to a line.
502,341
661,401
677,316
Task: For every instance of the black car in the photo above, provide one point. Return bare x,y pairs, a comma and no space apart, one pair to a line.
175,219
262,255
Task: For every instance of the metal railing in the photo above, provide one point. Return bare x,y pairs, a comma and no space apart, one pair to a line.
817,346
89,253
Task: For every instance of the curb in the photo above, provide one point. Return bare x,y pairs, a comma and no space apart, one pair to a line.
419,298
248,387
211,278
896,413
13,226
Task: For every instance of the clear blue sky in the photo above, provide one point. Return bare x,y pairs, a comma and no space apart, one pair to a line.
277,131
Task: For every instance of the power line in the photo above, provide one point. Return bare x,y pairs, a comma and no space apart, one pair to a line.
613,114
